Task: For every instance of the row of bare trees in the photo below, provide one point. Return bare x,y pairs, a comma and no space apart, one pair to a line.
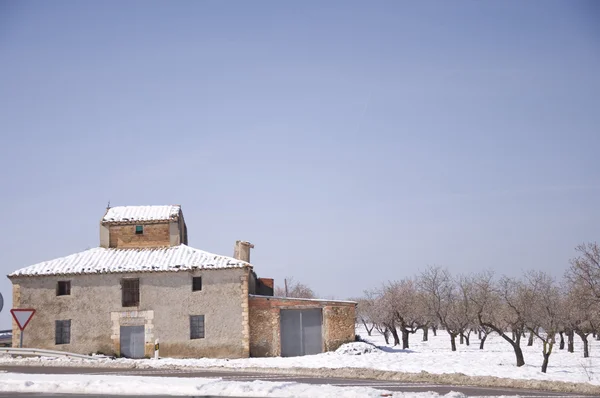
535,303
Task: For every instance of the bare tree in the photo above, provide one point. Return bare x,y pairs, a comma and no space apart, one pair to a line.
466,318
546,310
502,307
440,295
585,270
404,299
581,315
484,299
294,289
365,311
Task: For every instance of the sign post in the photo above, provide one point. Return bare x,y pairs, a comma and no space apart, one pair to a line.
22,316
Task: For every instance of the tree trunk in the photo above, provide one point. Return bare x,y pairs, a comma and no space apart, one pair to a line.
434,330
586,348
396,337
561,346
545,363
516,344
386,336
530,341
404,339
570,347
479,334
367,328
547,350
453,341
462,338
518,352
514,335
425,333
467,337
482,342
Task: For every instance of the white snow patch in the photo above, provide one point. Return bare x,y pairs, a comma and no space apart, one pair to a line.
358,348
142,385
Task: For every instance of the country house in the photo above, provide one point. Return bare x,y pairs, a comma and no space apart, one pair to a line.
145,283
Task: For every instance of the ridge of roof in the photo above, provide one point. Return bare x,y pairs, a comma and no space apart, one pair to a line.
126,214
102,260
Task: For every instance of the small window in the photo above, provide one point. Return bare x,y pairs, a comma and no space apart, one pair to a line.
63,332
130,292
139,229
63,288
196,326
196,283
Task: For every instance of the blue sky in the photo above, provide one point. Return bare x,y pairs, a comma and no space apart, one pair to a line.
351,142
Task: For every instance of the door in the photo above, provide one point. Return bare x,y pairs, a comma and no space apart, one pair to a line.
132,341
301,332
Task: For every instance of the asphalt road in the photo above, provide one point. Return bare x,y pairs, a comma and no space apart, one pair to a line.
234,375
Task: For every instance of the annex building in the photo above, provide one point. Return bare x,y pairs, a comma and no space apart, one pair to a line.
144,283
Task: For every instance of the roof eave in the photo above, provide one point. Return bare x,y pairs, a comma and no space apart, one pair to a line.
147,271
133,222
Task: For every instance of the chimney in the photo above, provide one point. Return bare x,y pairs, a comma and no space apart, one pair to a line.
241,251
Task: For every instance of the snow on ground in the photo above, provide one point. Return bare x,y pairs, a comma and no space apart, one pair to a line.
141,385
434,356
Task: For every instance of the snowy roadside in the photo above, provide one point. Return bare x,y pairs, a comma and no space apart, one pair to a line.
355,373
141,385
430,362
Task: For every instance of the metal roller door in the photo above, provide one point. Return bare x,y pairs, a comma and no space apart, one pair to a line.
301,332
132,341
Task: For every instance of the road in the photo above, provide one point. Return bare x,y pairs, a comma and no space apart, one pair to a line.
235,375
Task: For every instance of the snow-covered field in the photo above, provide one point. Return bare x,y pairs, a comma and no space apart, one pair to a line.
433,357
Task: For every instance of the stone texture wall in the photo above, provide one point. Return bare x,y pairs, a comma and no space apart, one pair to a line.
339,325
245,281
166,302
265,330
155,235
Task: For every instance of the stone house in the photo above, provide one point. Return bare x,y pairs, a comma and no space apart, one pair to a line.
145,283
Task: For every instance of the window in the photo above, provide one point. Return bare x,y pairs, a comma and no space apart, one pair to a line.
63,288
63,332
196,283
196,326
139,229
130,292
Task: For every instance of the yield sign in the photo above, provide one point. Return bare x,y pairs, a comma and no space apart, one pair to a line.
22,316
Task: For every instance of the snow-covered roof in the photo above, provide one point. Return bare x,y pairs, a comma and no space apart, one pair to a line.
141,213
101,260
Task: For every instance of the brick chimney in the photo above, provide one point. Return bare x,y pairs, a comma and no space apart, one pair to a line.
241,250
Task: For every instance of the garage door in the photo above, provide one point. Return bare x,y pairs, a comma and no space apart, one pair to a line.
301,332
132,341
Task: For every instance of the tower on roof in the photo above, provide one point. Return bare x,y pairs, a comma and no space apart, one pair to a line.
142,227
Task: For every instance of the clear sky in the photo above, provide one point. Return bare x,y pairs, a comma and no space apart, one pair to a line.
351,142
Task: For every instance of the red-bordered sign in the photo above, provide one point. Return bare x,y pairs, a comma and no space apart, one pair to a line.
22,316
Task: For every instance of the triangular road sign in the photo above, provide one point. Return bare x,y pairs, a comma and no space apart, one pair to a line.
22,316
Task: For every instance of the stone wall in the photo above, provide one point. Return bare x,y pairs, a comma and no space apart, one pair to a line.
166,303
265,331
339,325
264,328
155,235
